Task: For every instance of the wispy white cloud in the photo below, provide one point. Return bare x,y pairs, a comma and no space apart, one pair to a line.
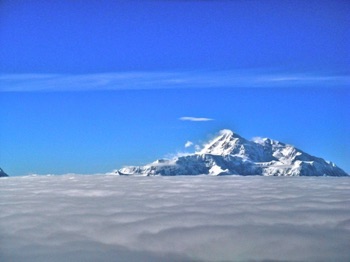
195,119
188,144
161,80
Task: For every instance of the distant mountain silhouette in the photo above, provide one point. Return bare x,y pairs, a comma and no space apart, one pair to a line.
3,174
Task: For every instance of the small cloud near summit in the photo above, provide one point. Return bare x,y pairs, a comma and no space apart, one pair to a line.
195,119
188,144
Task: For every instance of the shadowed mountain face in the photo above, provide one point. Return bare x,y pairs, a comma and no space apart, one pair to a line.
231,154
3,174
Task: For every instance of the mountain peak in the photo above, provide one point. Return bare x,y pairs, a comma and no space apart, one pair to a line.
230,154
226,132
223,144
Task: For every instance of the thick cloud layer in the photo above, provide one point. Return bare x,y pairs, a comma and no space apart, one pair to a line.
112,218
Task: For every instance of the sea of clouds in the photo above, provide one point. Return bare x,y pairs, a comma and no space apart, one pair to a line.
112,218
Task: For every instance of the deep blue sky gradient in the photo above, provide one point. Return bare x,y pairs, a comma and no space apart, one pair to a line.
102,36
89,86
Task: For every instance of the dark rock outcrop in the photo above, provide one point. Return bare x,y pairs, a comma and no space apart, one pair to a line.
3,174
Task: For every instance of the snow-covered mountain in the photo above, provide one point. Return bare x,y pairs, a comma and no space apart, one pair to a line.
231,154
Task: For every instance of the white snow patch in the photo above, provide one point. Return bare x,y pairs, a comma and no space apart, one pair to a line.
259,140
216,170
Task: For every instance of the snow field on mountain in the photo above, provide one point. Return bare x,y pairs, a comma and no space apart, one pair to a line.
201,218
231,154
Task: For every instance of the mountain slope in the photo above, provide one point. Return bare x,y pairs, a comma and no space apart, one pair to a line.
2,173
231,154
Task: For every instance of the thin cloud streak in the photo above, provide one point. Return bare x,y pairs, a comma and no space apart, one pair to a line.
163,80
195,119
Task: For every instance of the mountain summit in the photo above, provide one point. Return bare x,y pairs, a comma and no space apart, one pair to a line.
231,154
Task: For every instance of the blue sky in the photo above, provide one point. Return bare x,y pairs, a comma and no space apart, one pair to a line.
90,86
